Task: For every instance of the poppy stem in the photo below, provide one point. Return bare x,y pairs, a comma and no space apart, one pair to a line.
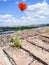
20,21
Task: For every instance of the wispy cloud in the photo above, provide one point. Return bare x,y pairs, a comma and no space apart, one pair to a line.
17,2
38,13
7,18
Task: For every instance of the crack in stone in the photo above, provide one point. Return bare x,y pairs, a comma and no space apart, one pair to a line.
36,58
39,46
30,54
10,59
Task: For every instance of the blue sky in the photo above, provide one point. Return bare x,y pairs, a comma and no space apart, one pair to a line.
11,6
37,12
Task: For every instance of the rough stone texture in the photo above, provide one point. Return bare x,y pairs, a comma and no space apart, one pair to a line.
36,63
38,43
44,39
45,35
28,33
19,56
38,52
30,53
3,59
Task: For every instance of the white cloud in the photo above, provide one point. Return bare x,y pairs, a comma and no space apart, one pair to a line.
7,18
38,13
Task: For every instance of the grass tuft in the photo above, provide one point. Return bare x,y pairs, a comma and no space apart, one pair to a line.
17,42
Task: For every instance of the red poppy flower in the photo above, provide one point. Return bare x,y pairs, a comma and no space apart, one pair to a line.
22,6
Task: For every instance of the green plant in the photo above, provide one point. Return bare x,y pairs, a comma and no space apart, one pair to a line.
12,39
17,42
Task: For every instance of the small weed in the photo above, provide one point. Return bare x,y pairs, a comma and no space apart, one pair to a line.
17,42
12,39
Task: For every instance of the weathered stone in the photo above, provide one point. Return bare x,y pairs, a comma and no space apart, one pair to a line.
44,39
3,58
36,51
36,63
19,56
2,61
15,56
45,35
38,43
